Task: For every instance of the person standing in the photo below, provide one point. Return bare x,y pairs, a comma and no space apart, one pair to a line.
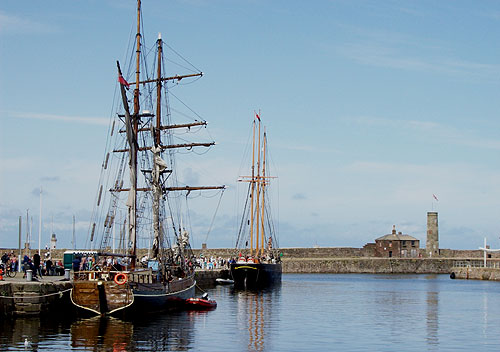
76,263
48,266
36,265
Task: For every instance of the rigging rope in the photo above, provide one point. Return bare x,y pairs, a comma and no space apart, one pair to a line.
215,214
168,46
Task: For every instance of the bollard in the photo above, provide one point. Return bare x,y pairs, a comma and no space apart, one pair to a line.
29,275
66,274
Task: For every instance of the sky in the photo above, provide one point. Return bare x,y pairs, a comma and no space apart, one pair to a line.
371,107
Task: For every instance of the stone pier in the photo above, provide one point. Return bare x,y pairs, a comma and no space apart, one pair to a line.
470,273
21,298
207,278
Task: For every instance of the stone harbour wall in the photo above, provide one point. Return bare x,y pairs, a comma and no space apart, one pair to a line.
33,298
320,252
368,265
468,273
207,278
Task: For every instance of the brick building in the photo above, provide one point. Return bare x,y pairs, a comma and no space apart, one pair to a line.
397,245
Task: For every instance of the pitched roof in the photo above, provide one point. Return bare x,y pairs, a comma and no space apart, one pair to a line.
396,237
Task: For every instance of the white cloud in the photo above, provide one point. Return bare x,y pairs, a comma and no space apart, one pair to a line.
71,119
373,54
445,134
13,24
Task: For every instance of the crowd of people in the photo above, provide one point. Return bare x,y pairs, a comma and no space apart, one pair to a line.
89,262
214,262
10,262
34,263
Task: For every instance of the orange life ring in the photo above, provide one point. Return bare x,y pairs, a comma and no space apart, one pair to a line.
121,279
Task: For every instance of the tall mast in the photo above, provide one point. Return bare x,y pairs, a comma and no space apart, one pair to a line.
257,201
263,186
137,59
73,243
40,225
157,168
253,190
28,239
158,92
133,151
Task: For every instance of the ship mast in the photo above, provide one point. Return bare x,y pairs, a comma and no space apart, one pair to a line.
158,164
133,152
258,181
132,131
263,184
257,201
253,190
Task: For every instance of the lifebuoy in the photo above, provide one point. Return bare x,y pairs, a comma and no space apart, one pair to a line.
121,279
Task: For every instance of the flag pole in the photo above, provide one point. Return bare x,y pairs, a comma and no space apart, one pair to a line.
40,224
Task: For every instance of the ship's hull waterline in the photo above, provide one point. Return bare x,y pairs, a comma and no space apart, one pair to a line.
256,275
106,297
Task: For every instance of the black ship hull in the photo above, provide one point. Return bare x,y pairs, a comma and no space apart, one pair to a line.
256,275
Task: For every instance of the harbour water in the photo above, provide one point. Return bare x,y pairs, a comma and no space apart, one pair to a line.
308,312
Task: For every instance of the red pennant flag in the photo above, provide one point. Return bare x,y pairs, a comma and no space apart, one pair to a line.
123,81
257,116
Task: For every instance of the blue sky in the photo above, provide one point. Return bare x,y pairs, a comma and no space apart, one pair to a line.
370,106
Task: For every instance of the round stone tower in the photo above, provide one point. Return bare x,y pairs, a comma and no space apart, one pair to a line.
432,243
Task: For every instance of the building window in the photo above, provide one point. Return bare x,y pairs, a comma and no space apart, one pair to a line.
390,244
413,243
403,243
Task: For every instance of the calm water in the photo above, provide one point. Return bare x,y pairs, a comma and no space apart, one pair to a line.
307,313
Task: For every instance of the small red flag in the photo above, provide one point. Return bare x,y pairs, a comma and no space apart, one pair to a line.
123,81
257,116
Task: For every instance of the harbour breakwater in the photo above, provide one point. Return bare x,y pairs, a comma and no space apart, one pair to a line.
472,273
369,265
297,253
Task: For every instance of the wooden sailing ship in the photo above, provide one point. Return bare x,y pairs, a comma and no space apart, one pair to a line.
259,261
145,189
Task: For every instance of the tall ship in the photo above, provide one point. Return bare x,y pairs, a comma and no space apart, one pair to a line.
143,195
258,263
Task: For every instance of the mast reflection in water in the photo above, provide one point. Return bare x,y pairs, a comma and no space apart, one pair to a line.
254,312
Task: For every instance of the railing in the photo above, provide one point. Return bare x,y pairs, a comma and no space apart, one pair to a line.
476,264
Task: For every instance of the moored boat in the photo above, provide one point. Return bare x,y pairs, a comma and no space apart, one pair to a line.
200,304
141,195
259,261
222,281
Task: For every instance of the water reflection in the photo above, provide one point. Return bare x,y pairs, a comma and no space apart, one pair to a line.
148,333
255,316
432,303
98,333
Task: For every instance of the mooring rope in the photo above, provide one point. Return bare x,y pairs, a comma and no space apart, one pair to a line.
60,293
